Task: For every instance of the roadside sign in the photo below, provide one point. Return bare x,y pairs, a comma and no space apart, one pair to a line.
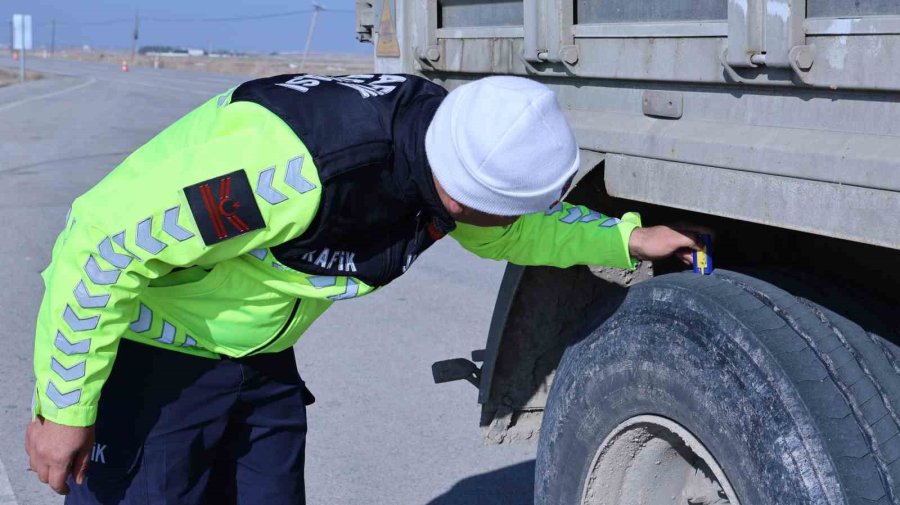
387,44
21,31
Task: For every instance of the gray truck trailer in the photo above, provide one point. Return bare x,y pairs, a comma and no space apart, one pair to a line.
775,122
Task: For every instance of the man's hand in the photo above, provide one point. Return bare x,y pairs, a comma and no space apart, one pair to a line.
55,451
660,242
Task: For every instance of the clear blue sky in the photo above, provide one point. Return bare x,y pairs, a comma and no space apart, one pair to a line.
82,22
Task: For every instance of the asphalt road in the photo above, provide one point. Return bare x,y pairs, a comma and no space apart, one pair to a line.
380,431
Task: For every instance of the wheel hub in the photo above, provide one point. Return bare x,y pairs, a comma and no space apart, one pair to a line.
651,460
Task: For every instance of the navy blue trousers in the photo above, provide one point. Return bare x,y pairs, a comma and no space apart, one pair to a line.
174,429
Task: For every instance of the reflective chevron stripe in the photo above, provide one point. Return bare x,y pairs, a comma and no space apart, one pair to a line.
573,216
167,335
553,210
70,349
327,281
98,275
62,400
323,281
119,238
350,291
144,320
264,187
294,179
145,240
112,257
88,301
609,223
259,254
171,226
70,374
189,342
591,217
78,324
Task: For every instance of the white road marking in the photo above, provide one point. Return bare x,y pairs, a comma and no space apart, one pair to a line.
10,105
7,497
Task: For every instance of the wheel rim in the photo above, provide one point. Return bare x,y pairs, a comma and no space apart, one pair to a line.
651,460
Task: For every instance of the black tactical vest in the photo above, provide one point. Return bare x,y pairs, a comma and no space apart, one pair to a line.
366,133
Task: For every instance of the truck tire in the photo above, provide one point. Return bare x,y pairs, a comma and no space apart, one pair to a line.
722,389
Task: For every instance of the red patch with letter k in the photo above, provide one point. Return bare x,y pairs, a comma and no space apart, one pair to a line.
224,207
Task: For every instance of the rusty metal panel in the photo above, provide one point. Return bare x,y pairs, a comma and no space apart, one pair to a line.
387,45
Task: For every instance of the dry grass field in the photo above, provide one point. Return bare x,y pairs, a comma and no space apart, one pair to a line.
251,66
8,76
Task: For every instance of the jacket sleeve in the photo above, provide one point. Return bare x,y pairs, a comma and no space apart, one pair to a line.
138,224
564,236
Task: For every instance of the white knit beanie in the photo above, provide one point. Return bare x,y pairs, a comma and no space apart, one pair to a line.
501,145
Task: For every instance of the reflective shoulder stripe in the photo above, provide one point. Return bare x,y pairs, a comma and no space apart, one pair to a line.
69,348
60,399
572,216
591,217
553,210
113,258
323,281
264,187
69,374
259,254
171,226
99,276
78,324
167,334
350,291
145,240
88,301
295,179
144,320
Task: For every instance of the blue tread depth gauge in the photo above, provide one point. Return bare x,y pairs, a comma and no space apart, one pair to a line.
703,261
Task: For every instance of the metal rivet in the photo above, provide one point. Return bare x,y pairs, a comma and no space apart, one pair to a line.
569,54
802,56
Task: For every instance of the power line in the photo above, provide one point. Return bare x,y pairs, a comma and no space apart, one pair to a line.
203,20
89,23
247,18
55,25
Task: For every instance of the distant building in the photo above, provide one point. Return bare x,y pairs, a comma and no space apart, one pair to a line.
170,51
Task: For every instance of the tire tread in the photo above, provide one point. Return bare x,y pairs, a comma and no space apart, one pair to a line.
845,367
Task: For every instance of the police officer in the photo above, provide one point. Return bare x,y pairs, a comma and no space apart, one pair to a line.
163,349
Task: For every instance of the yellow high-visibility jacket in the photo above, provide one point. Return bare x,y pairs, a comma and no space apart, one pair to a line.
236,227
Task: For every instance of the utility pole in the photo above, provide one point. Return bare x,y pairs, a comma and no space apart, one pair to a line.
52,37
21,34
137,26
312,30
22,53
